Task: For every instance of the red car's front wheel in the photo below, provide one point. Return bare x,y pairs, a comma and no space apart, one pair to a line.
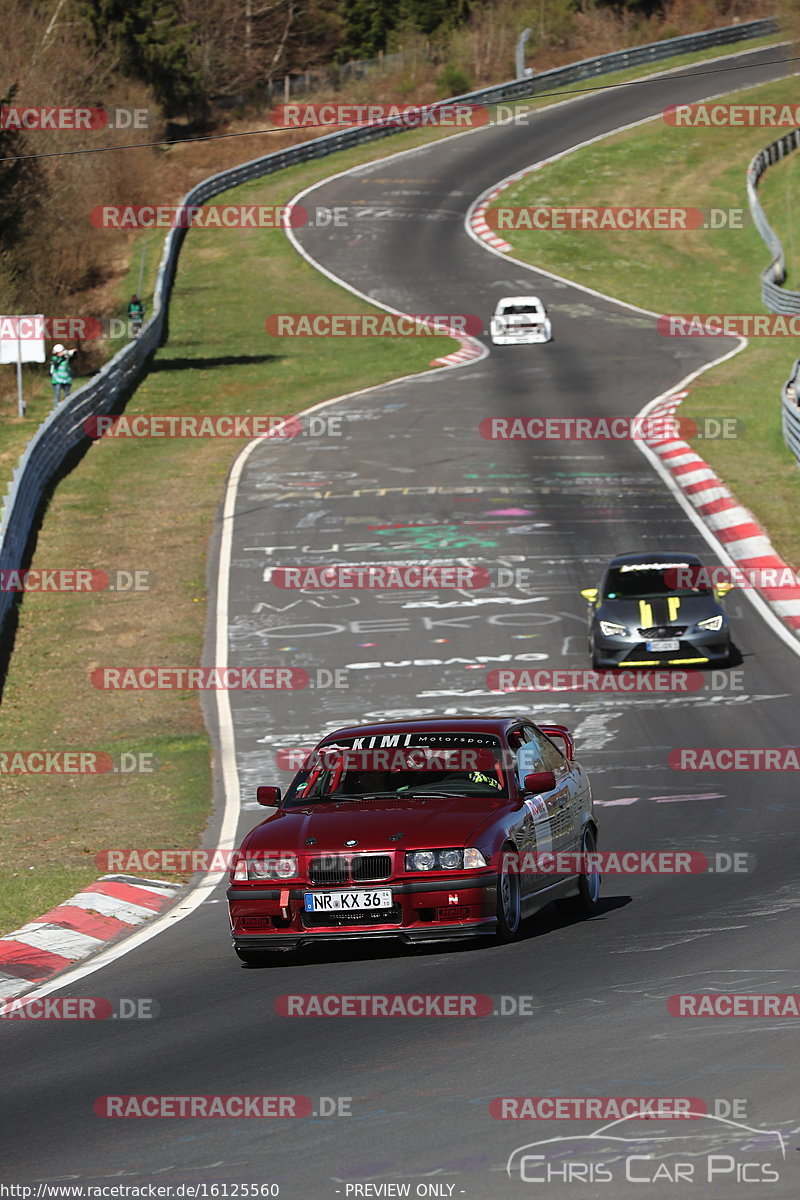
509,904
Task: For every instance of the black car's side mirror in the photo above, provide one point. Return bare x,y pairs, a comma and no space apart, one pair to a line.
539,781
268,795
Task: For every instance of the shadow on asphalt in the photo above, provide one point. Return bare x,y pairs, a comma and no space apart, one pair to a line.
549,920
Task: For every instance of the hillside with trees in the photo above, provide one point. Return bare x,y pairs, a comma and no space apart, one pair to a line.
219,67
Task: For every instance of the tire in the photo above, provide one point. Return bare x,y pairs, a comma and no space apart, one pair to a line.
588,900
509,904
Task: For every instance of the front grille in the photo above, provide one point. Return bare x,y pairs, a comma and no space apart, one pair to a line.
372,916
327,870
371,867
663,631
333,869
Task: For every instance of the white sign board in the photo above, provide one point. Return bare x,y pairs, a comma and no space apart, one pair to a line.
22,339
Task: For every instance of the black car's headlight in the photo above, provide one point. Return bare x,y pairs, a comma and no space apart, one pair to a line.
714,624
444,860
612,629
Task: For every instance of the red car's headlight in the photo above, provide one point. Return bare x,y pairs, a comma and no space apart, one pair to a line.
264,865
444,860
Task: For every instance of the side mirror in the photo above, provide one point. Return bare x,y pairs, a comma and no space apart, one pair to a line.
539,781
590,594
722,589
561,731
269,796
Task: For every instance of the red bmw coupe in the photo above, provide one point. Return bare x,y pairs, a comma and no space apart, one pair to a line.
420,830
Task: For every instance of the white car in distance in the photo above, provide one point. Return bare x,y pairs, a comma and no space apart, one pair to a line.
520,321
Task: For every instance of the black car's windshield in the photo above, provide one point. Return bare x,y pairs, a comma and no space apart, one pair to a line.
337,774
645,582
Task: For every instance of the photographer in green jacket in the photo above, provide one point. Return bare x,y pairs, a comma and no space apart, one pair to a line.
61,373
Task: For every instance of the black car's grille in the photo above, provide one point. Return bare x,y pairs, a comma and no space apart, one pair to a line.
372,916
685,650
371,867
332,869
663,631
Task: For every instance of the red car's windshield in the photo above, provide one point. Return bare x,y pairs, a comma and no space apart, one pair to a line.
450,768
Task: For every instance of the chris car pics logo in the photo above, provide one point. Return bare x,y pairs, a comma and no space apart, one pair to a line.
713,1151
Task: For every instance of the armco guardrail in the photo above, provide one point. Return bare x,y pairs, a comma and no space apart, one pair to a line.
63,431
774,296
790,412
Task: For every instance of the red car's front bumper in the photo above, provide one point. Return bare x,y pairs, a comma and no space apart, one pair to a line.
424,910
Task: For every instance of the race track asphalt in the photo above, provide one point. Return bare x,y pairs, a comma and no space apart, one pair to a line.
410,478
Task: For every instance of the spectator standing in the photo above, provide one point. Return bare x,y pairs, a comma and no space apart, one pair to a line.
135,314
61,373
